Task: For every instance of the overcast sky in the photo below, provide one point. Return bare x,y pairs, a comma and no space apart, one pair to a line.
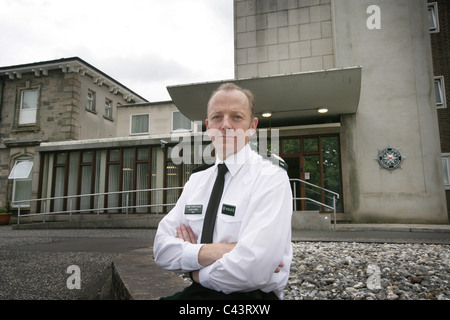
144,44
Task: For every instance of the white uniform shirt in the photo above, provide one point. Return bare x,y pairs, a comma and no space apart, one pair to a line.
255,211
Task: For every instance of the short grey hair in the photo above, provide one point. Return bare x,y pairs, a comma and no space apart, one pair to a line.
228,86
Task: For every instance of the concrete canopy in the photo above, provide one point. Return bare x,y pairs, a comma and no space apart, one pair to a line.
289,98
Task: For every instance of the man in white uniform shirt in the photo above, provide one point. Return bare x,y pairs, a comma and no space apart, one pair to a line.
251,250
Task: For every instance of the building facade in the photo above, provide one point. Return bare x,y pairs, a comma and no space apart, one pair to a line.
370,65
347,93
59,100
109,170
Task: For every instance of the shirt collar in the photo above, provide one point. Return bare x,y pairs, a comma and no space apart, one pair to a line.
236,161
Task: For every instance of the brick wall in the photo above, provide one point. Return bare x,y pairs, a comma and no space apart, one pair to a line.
440,45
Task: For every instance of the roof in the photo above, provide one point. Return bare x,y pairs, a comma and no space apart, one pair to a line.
73,64
291,98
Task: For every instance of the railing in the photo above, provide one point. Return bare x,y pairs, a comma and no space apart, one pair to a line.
100,197
334,197
99,209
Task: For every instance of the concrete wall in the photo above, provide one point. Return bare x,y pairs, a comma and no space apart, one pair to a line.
160,117
397,108
280,37
397,105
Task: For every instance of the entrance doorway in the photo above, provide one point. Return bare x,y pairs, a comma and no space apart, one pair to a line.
314,159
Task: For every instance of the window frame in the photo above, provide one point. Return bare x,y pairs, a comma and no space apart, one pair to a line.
131,124
173,122
27,179
20,121
108,112
91,103
446,160
441,86
434,14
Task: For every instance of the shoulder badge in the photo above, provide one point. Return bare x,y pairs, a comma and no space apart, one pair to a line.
277,160
202,167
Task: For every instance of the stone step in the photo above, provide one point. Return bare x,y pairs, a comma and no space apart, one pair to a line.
311,220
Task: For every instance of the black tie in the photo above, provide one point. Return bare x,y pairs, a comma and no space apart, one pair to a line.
213,205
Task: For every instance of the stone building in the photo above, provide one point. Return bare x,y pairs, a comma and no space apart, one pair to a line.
350,93
59,100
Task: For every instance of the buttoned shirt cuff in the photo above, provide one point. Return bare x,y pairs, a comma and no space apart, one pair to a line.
189,258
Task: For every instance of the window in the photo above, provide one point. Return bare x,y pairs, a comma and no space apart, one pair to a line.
21,176
433,17
180,122
140,124
446,169
28,106
439,90
90,105
108,109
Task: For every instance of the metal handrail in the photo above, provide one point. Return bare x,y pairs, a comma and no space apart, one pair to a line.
98,208
335,196
316,186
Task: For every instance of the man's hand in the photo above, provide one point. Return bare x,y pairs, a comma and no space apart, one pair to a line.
278,269
186,234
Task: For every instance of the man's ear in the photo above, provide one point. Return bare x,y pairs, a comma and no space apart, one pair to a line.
253,126
207,127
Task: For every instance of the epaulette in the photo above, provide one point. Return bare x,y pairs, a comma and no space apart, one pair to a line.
277,160
202,167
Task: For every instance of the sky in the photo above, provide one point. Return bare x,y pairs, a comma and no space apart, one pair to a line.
146,45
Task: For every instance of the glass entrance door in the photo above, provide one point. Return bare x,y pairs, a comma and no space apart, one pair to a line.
316,160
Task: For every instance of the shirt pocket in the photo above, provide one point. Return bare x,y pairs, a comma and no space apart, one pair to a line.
195,220
229,225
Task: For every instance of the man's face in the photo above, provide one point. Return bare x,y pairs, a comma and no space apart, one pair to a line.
230,122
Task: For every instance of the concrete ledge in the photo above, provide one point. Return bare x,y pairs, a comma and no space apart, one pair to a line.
310,220
135,276
91,222
301,220
395,227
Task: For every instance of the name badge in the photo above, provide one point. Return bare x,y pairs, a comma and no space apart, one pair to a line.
228,210
193,209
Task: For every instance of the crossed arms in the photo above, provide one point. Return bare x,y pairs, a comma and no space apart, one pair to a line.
210,252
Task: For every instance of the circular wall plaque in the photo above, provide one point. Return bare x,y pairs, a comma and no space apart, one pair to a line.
390,158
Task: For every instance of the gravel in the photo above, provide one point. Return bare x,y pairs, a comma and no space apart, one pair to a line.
321,270
369,271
